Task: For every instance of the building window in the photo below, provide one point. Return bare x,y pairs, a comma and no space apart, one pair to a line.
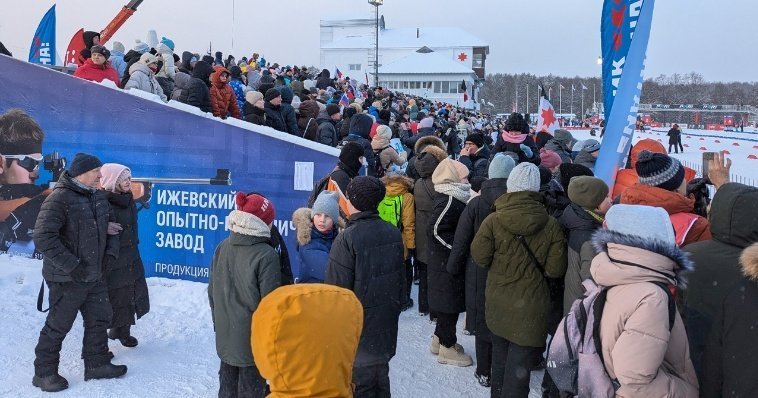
437,87
478,61
445,87
354,67
405,85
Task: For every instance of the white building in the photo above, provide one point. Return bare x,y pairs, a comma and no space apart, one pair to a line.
348,45
429,75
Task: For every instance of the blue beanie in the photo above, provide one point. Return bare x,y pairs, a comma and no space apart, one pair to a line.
168,42
141,47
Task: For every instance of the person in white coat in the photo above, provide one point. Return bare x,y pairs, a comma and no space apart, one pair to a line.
142,76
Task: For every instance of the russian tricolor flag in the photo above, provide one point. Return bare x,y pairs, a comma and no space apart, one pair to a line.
337,72
344,101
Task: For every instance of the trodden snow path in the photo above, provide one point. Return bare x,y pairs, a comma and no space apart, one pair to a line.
176,356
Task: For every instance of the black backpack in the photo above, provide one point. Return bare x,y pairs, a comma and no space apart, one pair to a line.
379,170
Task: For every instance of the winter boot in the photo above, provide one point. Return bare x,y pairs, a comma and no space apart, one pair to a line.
454,356
483,380
107,371
51,383
435,346
123,335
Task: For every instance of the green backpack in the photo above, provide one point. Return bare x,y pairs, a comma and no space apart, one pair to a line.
390,210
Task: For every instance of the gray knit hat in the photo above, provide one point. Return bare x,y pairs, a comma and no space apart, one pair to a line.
564,137
327,203
501,166
524,177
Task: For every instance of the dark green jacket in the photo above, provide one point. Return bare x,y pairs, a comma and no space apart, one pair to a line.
517,296
245,269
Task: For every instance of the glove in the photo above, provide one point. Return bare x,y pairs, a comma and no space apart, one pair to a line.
21,220
527,151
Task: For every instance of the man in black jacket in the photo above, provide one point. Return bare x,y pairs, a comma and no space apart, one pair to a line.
74,235
367,258
360,128
273,108
734,226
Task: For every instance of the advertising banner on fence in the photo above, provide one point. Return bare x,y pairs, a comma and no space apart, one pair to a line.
175,157
42,50
622,119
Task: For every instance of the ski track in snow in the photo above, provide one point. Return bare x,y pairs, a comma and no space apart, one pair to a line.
176,356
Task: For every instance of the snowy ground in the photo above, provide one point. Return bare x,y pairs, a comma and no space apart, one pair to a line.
176,356
713,141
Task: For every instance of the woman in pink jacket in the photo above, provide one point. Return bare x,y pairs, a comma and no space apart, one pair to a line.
644,350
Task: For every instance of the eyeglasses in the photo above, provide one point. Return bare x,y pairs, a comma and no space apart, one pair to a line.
28,162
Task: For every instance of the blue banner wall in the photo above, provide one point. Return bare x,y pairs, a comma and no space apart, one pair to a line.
42,50
184,223
621,121
617,25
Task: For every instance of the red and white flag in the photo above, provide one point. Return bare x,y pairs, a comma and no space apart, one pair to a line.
546,120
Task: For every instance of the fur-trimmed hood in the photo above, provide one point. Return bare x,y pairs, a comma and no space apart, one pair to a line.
428,140
625,259
303,222
397,184
749,262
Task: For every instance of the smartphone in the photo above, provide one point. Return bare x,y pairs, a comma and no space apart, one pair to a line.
707,157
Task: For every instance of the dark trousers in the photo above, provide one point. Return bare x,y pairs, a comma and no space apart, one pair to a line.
240,382
483,344
511,368
445,329
408,279
677,147
423,295
372,381
66,301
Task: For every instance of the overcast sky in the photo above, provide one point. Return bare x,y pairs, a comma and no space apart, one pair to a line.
714,38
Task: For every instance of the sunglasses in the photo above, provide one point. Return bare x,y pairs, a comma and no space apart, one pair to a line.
28,162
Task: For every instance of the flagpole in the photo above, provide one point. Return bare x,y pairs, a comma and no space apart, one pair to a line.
527,98
560,98
571,105
581,117
593,98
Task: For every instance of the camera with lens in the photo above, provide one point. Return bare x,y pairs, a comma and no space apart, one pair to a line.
55,164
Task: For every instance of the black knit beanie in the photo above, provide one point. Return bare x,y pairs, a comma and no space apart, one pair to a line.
570,170
351,154
516,122
271,94
365,192
476,139
331,109
83,163
659,170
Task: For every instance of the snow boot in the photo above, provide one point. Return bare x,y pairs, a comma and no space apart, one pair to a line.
123,335
52,383
483,380
454,356
434,348
107,371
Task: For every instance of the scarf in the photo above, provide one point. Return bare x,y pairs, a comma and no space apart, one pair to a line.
459,190
513,139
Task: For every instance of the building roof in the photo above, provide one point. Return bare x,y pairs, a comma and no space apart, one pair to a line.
433,37
425,63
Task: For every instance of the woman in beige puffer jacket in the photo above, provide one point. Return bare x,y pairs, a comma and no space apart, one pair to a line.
639,351
385,152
